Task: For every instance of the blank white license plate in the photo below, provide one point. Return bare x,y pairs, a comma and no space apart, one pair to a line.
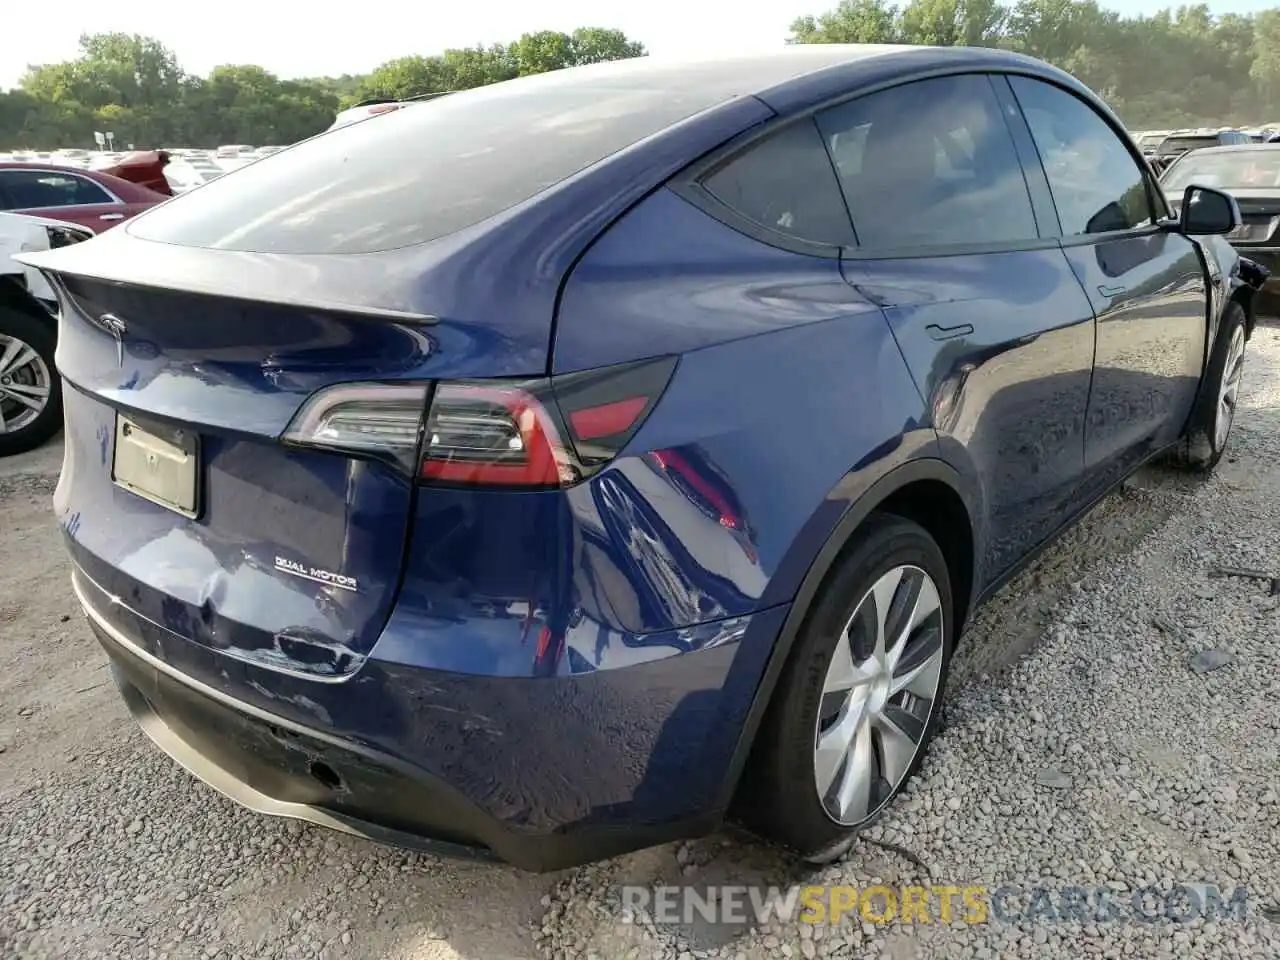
156,463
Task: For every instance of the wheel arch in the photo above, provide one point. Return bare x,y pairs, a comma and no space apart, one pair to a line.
1244,284
928,491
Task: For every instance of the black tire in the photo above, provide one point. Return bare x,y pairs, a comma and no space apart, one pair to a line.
42,336
1202,445
779,798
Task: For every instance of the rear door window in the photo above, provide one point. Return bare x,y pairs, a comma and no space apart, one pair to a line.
429,169
786,184
929,163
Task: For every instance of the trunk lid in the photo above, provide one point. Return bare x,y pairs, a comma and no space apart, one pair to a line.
288,557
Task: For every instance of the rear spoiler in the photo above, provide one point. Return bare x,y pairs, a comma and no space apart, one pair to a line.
54,260
379,101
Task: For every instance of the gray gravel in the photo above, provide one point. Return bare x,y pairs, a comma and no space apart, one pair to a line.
1104,756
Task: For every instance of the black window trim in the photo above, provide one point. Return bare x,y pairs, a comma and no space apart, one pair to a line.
688,183
1042,202
1155,198
70,174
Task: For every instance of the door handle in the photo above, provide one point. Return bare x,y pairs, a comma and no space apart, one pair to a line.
112,216
948,333
1107,291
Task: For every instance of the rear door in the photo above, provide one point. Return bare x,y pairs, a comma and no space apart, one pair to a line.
996,331
1147,284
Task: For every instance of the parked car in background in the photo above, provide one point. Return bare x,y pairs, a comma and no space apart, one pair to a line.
72,157
1251,174
146,168
30,391
565,466
104,158
187,172
90,198
1179,142
1149,141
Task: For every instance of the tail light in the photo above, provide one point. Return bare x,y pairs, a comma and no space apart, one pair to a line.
379,420
527,434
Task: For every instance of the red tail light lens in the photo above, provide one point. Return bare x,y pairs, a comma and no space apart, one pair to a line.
538,433
494,436
532,434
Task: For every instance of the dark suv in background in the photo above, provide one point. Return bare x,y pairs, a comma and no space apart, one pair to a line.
1176,144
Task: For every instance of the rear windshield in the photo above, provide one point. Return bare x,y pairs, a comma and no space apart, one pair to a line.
430,169
1226,169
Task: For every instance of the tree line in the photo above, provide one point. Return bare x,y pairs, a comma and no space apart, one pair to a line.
134,87
1178,67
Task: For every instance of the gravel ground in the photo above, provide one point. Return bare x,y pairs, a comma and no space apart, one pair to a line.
1080,748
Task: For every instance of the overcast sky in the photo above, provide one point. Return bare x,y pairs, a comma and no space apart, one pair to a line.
296,39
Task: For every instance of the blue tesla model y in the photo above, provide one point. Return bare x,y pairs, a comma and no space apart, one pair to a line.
567,465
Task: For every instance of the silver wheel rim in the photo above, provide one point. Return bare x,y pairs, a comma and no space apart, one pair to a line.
24,384
1229,392
879,695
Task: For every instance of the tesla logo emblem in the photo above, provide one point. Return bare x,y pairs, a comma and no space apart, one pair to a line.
117,328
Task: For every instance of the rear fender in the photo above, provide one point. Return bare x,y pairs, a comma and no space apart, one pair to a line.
855,498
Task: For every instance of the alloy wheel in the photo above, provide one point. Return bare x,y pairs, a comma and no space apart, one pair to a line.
1229,392
880,691
25,382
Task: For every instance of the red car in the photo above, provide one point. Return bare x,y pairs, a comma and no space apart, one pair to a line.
143,167
90,198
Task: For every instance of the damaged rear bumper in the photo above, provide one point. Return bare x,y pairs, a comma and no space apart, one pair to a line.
277,765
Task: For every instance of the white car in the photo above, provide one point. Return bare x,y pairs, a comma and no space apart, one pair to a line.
30,391
190,171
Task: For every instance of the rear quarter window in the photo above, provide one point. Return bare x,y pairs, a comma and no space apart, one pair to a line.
786,184
425,171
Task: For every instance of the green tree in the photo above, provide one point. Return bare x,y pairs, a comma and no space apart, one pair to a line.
1181,66
467,67
852,21
1178,67
598,44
